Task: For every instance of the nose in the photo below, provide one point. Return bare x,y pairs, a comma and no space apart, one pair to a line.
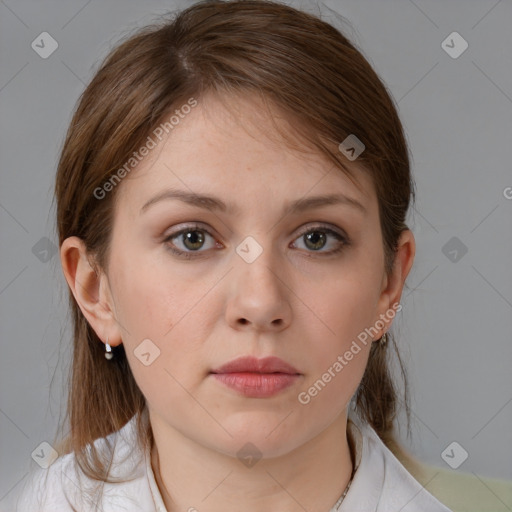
260,296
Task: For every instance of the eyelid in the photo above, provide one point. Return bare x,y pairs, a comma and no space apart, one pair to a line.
327,227
185,226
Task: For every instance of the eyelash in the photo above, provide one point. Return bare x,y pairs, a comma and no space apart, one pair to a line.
345,241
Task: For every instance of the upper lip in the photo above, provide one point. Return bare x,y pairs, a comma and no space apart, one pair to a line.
253,364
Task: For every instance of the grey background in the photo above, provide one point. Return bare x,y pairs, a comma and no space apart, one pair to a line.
455,328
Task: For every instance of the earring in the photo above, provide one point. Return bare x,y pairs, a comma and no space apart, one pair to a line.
384,339
108,351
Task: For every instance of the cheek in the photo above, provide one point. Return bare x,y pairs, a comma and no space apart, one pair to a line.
329,389
151,297
343,308
153,303
157,302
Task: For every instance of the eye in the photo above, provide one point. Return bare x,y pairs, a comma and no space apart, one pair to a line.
316,238
189,240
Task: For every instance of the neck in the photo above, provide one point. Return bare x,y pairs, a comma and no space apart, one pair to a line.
312,477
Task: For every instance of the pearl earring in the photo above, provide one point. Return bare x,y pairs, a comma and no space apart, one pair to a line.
108,351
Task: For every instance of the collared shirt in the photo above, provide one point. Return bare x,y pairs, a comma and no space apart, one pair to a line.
380,484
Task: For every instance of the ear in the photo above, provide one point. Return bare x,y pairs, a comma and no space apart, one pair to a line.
91,289
393,284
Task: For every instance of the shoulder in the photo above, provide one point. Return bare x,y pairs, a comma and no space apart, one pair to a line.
381,483
459,491
47,489
63,486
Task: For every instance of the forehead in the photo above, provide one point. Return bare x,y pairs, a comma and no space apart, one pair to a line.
241,151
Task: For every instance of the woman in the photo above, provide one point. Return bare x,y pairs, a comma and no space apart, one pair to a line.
231,204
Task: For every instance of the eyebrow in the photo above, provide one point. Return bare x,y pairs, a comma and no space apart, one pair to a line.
216,204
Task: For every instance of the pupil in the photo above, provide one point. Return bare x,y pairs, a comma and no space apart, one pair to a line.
315,237
196,238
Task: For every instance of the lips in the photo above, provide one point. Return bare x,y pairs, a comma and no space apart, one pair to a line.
247,364
257,378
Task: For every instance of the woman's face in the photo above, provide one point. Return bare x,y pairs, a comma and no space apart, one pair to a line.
253,277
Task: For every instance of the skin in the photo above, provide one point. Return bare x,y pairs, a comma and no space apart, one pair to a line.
292,302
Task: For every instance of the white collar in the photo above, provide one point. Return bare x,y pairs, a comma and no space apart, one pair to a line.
380,484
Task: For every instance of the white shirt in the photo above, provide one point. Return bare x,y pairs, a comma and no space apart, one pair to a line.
380,484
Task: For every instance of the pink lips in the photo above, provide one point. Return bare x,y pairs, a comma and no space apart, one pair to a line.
257,378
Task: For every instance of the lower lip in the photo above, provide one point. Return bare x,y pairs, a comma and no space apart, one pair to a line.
257,385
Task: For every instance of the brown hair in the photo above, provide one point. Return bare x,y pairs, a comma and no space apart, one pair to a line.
302,66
